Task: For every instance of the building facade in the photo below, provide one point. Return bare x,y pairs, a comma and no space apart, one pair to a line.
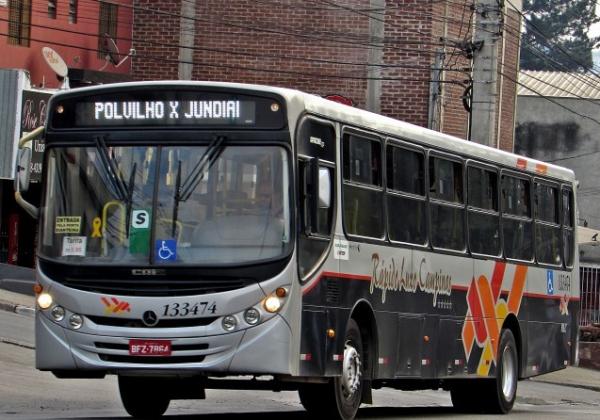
93,38
407,59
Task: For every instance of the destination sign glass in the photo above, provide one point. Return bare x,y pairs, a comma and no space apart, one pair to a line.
172,112
169,107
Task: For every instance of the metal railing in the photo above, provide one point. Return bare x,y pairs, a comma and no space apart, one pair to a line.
590,295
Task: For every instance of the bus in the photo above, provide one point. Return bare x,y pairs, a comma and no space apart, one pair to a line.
201,235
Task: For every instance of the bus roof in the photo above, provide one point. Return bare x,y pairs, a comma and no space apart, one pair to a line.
313,104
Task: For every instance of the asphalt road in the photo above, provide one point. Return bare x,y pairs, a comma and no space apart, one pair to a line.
26,393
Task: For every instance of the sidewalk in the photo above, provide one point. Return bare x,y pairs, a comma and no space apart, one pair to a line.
16,302
574,377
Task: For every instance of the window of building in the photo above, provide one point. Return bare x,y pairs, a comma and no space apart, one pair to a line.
446,203
107,26
483,215
406,201
73,11
19,17
52,9
362,192
517,223
547,227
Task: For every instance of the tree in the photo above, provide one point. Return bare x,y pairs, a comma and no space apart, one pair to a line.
556,35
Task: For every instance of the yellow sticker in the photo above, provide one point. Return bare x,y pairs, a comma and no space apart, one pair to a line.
67,224
96,226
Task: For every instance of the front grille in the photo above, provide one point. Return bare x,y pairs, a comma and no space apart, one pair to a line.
174,347
147,360
155,287
162,323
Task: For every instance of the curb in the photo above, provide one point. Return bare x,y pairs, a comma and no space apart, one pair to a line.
16,308
571,385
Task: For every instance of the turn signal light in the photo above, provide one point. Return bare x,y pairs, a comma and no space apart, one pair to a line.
37,288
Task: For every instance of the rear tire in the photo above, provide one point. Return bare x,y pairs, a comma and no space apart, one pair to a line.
142,397
502,392
495,395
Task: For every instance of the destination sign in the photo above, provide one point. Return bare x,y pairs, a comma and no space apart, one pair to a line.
169,107
171,112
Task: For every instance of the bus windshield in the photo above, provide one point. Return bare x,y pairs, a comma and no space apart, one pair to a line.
138,205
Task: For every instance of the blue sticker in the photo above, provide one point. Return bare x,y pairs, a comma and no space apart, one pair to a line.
166,249
550,281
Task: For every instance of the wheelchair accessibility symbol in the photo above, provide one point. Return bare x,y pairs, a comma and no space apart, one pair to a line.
550,281
166,249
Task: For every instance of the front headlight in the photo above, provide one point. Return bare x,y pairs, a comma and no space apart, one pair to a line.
44,300
274,302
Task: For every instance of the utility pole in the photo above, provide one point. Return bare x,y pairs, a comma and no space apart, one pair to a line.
435,92
487,31
376,36
187,35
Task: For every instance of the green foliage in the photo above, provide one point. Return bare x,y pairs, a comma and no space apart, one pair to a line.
556,35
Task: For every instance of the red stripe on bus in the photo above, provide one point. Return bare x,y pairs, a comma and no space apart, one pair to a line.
553,297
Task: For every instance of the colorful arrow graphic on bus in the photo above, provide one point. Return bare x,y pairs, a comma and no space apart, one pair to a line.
115,306
487,312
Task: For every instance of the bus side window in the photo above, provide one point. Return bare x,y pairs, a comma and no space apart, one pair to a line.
516,218
547,225
406,200
446,204
568,227
483,214
362,192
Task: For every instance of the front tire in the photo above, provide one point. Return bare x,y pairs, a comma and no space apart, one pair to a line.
142,397
340,398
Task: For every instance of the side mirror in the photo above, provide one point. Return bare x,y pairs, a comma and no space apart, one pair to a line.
22,170
324,188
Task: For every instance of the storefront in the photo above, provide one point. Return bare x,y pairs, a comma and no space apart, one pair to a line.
22,109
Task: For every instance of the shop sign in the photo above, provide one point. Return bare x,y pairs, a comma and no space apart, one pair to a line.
33,115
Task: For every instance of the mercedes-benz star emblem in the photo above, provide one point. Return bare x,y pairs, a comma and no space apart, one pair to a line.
149,319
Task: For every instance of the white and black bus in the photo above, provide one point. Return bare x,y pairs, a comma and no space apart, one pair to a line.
195,235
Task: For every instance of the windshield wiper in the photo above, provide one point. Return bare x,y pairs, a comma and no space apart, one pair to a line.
111,169
185,190
176,198
209,157
129,199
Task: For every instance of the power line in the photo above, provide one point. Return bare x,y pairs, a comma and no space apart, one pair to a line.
252,69
241,53
551,100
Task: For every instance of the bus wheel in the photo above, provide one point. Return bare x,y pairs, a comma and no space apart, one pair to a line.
143,398
347,388
495,395
502,391
311,397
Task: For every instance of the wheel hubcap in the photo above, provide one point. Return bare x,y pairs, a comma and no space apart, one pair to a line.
509,379
351,372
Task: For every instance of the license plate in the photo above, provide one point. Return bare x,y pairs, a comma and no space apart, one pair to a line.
150,347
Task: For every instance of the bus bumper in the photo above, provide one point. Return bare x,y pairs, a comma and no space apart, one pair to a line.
264,349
